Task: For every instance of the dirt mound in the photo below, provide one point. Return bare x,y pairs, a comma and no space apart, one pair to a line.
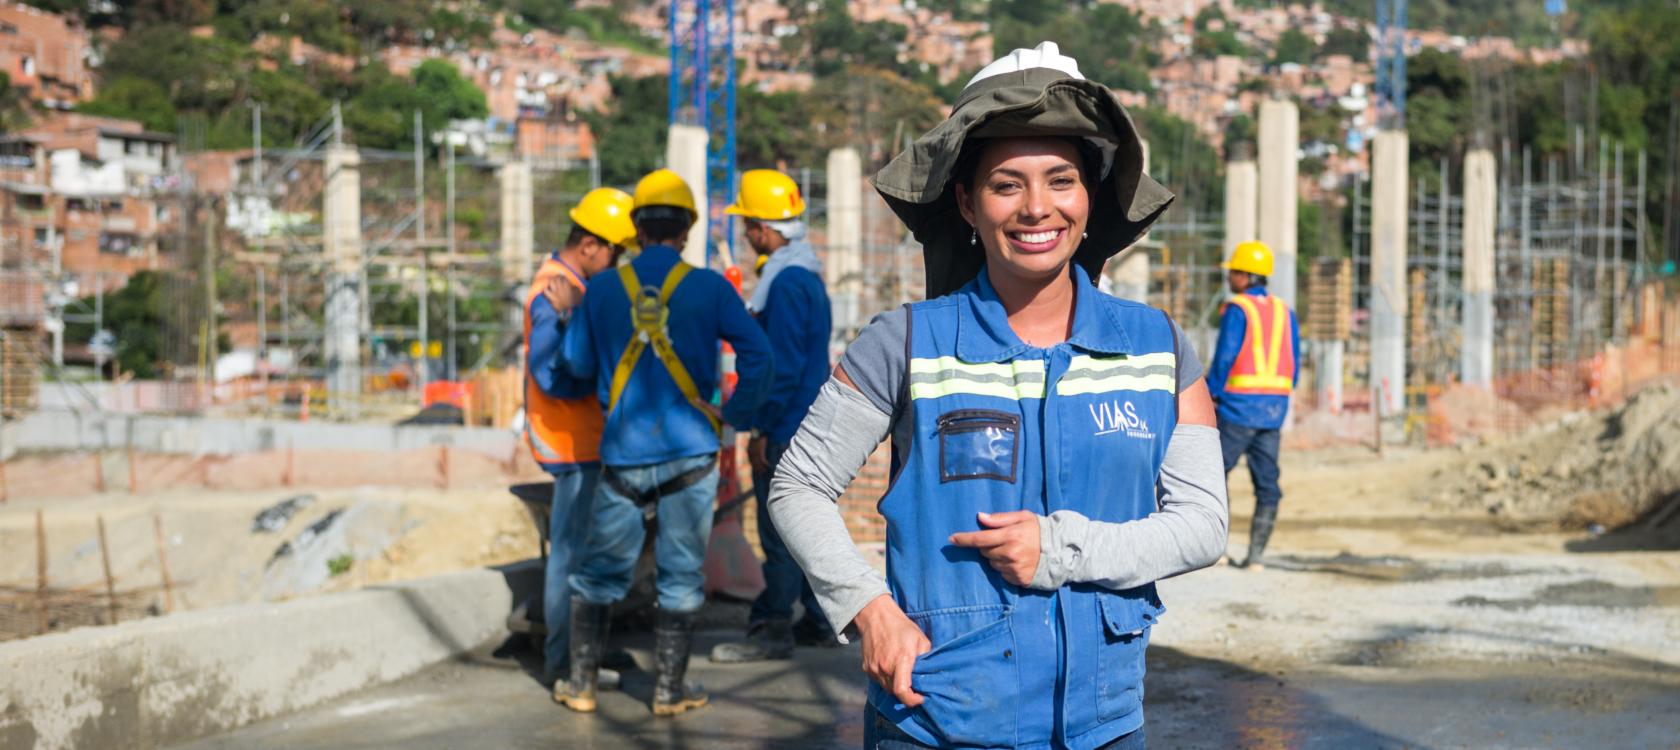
1607,469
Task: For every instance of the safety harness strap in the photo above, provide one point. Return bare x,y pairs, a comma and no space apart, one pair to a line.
649,317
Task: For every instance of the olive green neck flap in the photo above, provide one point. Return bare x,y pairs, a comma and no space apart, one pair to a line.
1037,102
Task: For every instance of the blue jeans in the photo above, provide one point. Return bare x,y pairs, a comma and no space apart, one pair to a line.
1261,447
783,580
880,734
679,551
568,531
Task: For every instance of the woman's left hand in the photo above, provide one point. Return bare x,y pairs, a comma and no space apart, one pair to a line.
1009,542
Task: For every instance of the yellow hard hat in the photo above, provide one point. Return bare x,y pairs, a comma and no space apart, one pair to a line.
664,188
605,213
1253,257
767,195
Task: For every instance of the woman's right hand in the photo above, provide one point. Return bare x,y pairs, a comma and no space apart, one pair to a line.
891,643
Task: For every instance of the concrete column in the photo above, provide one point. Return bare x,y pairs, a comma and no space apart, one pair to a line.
1481,201
1329,367
1388,270
341,224
518,231
685,154
1242,185
845,235
1280,139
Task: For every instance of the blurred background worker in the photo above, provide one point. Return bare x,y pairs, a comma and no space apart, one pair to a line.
650,341
1252,375
791,305
562,416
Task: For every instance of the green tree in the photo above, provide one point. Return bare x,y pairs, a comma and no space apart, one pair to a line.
1351,42
1437,104
630,137
1111,43
446,93
132,98
139,314
1216,43
1293,47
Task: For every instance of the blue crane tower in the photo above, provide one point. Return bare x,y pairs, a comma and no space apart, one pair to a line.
702,93
1391,63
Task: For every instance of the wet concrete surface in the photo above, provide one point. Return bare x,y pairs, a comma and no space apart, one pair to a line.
490,699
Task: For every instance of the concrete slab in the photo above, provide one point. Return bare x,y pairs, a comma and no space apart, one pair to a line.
170,679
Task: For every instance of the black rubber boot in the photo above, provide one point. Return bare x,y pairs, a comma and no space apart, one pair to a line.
814,632
1259,531
673,639
771,639
589,642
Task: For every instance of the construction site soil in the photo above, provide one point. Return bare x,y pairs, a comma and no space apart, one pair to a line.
1518,592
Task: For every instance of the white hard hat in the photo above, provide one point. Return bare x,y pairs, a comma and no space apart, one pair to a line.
1046,55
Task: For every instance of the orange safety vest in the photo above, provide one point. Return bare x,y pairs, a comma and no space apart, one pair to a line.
559,431
1266,363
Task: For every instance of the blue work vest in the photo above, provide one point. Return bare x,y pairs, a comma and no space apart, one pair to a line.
999,425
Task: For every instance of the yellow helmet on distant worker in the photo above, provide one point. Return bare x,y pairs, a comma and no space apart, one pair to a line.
1253,257
767,195
605,213
662,187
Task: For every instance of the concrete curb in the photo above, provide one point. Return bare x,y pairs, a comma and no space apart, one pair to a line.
167,680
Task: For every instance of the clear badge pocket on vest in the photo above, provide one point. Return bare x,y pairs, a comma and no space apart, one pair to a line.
978,444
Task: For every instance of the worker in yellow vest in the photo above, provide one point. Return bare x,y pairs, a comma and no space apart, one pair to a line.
564,433
1253,372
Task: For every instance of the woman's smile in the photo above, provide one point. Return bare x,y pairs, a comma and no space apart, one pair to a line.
1036,241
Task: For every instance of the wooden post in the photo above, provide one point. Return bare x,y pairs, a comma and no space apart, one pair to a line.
1376,420
105,560
443,465
41,569
133,474
98,473
4,490
163,564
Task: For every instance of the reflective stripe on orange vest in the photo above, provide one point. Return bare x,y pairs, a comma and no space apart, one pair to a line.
1266,363
559,431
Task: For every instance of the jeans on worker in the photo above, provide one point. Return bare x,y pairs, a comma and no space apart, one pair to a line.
568,531
615,538
1261,447
784,581
880,734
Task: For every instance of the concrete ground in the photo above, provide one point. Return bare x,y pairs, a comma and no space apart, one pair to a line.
815,701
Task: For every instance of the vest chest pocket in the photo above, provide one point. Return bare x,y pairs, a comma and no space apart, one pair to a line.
978,444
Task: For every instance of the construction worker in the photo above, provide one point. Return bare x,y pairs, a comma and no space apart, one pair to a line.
1054,449
791,304
1252,375
562,416
650,342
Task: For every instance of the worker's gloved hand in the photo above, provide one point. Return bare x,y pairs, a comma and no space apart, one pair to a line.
1010,542
561,293
758,454
891,643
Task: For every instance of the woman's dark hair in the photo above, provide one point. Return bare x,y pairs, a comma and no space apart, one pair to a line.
968,161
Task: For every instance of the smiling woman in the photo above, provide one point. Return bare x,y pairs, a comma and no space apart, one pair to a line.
1053,446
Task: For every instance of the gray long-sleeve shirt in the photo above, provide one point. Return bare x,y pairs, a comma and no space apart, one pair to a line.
845,425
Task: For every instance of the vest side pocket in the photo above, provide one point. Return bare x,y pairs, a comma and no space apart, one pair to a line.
969,682
978,444
1127,617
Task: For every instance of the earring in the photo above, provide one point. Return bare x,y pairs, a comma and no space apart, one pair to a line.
1084,235
973,238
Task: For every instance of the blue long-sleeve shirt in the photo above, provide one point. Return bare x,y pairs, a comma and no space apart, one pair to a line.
654,422
797,318
1247,409
543,350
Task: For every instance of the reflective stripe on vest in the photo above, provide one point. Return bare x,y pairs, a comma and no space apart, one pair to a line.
1266,362
558,431
945,376
1146,372
649,315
